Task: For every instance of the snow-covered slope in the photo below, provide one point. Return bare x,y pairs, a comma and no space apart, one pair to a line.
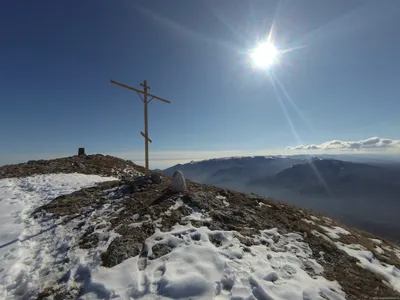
64,237
33,251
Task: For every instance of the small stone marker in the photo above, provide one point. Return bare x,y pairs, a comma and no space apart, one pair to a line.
81,151
178,182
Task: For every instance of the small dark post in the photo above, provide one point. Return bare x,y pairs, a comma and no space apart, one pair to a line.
81,151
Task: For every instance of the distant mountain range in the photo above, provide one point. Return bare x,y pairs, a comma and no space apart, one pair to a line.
363,192
234,172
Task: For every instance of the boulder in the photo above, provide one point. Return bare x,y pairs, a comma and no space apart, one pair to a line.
178,182
155,178
143,180
128,188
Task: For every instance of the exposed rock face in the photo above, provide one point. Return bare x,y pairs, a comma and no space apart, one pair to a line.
178,182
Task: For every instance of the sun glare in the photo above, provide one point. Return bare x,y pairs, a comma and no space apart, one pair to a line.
264,55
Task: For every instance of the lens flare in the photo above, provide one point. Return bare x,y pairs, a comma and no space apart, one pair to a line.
264,55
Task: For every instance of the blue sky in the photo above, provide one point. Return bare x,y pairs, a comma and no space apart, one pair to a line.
57,59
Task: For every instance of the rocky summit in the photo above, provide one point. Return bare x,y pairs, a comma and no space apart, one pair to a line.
140,235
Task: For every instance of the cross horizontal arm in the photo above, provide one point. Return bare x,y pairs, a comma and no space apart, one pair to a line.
126,86
139,91
158,98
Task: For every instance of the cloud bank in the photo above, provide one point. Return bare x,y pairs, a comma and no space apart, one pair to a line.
374,143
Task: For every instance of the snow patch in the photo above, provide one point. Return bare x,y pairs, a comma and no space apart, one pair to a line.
178,203
368,261
197,268
334,232
376,241
263,204
197,216
309,221
132,171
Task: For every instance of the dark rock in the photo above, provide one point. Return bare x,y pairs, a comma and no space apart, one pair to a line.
224,192
215,239
175,217
155,178
89,239
119,250
160,250
144,180
128,188
247,241
80,225
126,178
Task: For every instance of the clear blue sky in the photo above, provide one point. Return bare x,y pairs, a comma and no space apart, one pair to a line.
57,59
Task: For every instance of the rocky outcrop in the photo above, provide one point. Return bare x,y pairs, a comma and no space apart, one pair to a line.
99,164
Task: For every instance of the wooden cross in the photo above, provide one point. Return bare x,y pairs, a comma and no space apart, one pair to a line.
146,102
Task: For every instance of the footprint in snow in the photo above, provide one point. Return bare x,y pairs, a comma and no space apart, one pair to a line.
287,272
159,272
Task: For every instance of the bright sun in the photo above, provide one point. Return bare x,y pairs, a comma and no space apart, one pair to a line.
264,55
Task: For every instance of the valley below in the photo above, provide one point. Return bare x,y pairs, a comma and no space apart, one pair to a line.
363,194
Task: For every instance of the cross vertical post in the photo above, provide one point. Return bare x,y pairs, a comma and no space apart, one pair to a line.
146,124
146,102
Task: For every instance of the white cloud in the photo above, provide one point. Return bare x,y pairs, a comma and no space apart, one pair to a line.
374,143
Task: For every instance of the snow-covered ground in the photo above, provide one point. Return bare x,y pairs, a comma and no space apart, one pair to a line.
198,269
33,250
198,263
